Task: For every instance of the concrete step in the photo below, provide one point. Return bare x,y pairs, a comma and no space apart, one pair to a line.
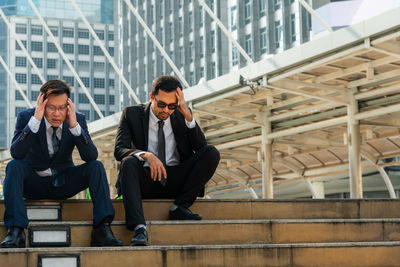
241,231
81,210
339,254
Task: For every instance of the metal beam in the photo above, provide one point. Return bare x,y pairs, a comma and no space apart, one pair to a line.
218,114
156,42
108,56
28,56
315,14
96,108
225,31
15,82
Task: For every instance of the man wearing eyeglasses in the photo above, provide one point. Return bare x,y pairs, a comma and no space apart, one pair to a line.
163,154
42,167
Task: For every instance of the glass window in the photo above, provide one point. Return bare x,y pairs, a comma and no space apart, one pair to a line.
38,62
277,4
68,32
100,99
20,77
278,33
100,34
98,83
34,95
18,95
234,56
54,30
83,99
35,80
182,55
86,113
247,11
233,18
98,66
52,77
111,82
180,26
36,30
293,27
69,80
111,100
20,28
110,51
191,77
83,34
111,36
68,48
202,72
20,61
213,70
263,7
263,40
83,65
51,47
36,46
211,5
17,47
201,46
86,81
97,51
201,18
83,49
190,19
19,109
52,63
248,44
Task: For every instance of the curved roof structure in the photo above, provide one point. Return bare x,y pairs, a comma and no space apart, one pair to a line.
298,115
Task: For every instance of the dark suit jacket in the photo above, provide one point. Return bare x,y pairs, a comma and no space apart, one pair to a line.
133,131
32,147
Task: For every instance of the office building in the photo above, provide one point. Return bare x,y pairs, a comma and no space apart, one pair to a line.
77,43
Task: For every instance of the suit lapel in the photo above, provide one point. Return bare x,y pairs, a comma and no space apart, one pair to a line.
43,139
145,123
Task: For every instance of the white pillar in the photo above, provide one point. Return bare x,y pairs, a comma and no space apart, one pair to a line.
266,148
319,189
354,146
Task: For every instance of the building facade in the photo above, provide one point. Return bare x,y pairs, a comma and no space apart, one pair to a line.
78,45
197,45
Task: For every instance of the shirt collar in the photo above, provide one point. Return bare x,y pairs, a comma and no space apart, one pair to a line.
48,125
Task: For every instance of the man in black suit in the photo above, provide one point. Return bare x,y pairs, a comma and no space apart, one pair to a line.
42,166
163,154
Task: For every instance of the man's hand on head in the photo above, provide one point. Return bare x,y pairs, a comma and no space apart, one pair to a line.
71,115
40,107
157,169
182,106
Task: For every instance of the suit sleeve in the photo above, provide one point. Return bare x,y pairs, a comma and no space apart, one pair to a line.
124,144
23,137
196,138
87,149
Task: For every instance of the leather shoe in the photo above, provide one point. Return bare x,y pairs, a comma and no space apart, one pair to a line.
15,238
182,213
102,236
140,237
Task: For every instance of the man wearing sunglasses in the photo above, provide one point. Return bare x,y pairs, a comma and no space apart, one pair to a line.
163,154
42,167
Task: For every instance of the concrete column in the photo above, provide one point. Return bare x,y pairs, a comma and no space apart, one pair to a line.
266,148
354,145
319,190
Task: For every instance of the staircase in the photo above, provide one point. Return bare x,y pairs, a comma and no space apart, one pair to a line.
232,233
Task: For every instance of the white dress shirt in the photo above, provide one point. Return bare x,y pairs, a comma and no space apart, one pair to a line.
171,152
34,125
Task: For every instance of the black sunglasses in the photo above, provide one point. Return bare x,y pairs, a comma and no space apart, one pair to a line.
172,106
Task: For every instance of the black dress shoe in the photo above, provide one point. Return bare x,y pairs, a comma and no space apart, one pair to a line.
182,213
104,237
140,237
15,238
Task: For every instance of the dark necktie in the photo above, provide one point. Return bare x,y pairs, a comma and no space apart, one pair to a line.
161,147
58,180
55,140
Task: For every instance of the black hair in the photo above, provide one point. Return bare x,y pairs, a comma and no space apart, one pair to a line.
55,87
166,83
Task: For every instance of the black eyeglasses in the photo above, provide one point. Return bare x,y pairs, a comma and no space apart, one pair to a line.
172,106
